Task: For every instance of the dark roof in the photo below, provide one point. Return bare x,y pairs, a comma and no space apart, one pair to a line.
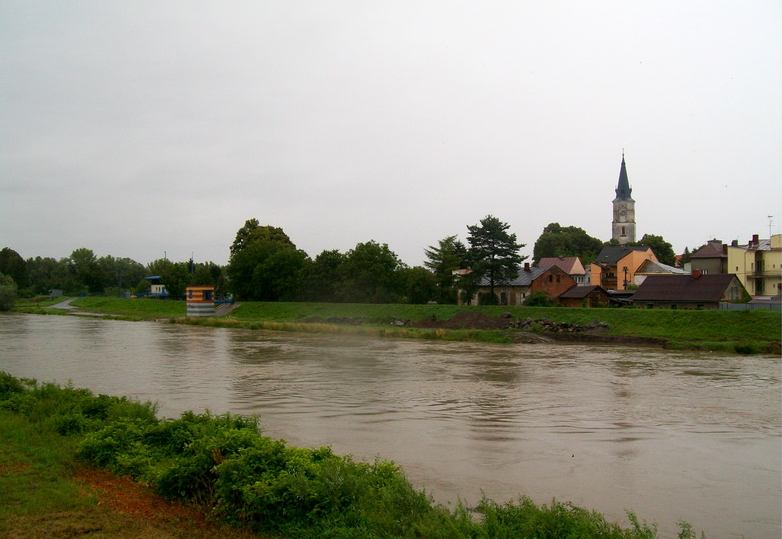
684,288
623,188
579,292
611,254
524,278
712,249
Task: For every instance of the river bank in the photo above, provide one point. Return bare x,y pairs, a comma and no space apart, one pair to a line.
725,331
225,467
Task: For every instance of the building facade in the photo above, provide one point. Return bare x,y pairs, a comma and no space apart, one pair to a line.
623,225
758,265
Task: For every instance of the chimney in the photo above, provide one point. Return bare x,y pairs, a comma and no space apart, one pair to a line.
696,274
734,243
755,240
526,266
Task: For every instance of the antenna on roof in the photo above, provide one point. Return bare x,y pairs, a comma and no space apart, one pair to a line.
770,225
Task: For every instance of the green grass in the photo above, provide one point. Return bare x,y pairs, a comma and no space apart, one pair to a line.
35,465
727,331
226,466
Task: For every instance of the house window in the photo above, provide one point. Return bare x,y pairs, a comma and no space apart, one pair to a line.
207,295
189,294
550,278
623,231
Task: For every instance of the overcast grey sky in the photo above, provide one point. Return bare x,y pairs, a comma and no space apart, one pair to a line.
134,128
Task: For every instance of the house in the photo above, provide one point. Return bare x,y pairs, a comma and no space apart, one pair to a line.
156,287
530,280
569,264
584,296
692,291
710,259
651,267
758,265
615,265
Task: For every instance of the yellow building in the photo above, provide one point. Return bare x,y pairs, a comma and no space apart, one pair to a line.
758,265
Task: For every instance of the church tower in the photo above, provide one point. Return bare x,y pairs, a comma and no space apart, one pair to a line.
623,226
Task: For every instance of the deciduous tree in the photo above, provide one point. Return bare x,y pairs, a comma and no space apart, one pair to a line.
557,240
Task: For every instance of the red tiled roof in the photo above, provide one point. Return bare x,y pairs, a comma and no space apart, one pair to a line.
569,264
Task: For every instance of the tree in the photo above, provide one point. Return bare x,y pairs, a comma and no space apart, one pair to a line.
322,277
278,277
562,241
122,273
85,267
14,266
250,271
494,253
370,274
7,292
419,285
661,248
174,275
450,254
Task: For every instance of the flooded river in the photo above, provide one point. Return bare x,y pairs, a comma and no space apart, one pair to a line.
668,435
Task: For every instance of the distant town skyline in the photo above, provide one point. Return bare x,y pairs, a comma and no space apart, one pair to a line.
142,129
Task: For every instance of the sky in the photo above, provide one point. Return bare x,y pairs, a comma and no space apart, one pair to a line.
148,128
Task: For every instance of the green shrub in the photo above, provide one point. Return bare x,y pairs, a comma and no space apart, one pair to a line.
226,465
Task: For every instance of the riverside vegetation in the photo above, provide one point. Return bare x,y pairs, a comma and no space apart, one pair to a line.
727,331
227,468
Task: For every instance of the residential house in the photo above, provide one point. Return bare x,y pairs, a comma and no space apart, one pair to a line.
652,267
550,281
584,296
710,259
615,266
569,264
692,291
758,265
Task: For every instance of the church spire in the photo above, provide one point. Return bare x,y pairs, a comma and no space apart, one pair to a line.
623,189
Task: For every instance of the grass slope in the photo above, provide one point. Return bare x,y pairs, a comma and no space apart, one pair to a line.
226,466
744,331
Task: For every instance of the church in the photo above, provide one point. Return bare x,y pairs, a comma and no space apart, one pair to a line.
623,225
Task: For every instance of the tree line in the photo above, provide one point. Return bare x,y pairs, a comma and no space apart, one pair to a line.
266,265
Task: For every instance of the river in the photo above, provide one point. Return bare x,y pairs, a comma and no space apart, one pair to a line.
670,435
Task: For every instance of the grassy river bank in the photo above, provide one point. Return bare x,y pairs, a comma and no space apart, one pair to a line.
56,440
725,331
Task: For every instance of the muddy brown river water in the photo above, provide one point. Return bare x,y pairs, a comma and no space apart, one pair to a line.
670,435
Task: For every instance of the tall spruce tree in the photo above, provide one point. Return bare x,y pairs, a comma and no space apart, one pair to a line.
494,253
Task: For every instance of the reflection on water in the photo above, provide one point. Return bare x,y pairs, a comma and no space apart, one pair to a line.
670,435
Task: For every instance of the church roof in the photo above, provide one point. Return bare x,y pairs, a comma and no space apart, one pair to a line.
623,188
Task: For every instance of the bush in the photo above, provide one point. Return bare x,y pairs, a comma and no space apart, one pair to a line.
539,299
7,293
227,466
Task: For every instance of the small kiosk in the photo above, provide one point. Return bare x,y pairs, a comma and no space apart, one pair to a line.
200,300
